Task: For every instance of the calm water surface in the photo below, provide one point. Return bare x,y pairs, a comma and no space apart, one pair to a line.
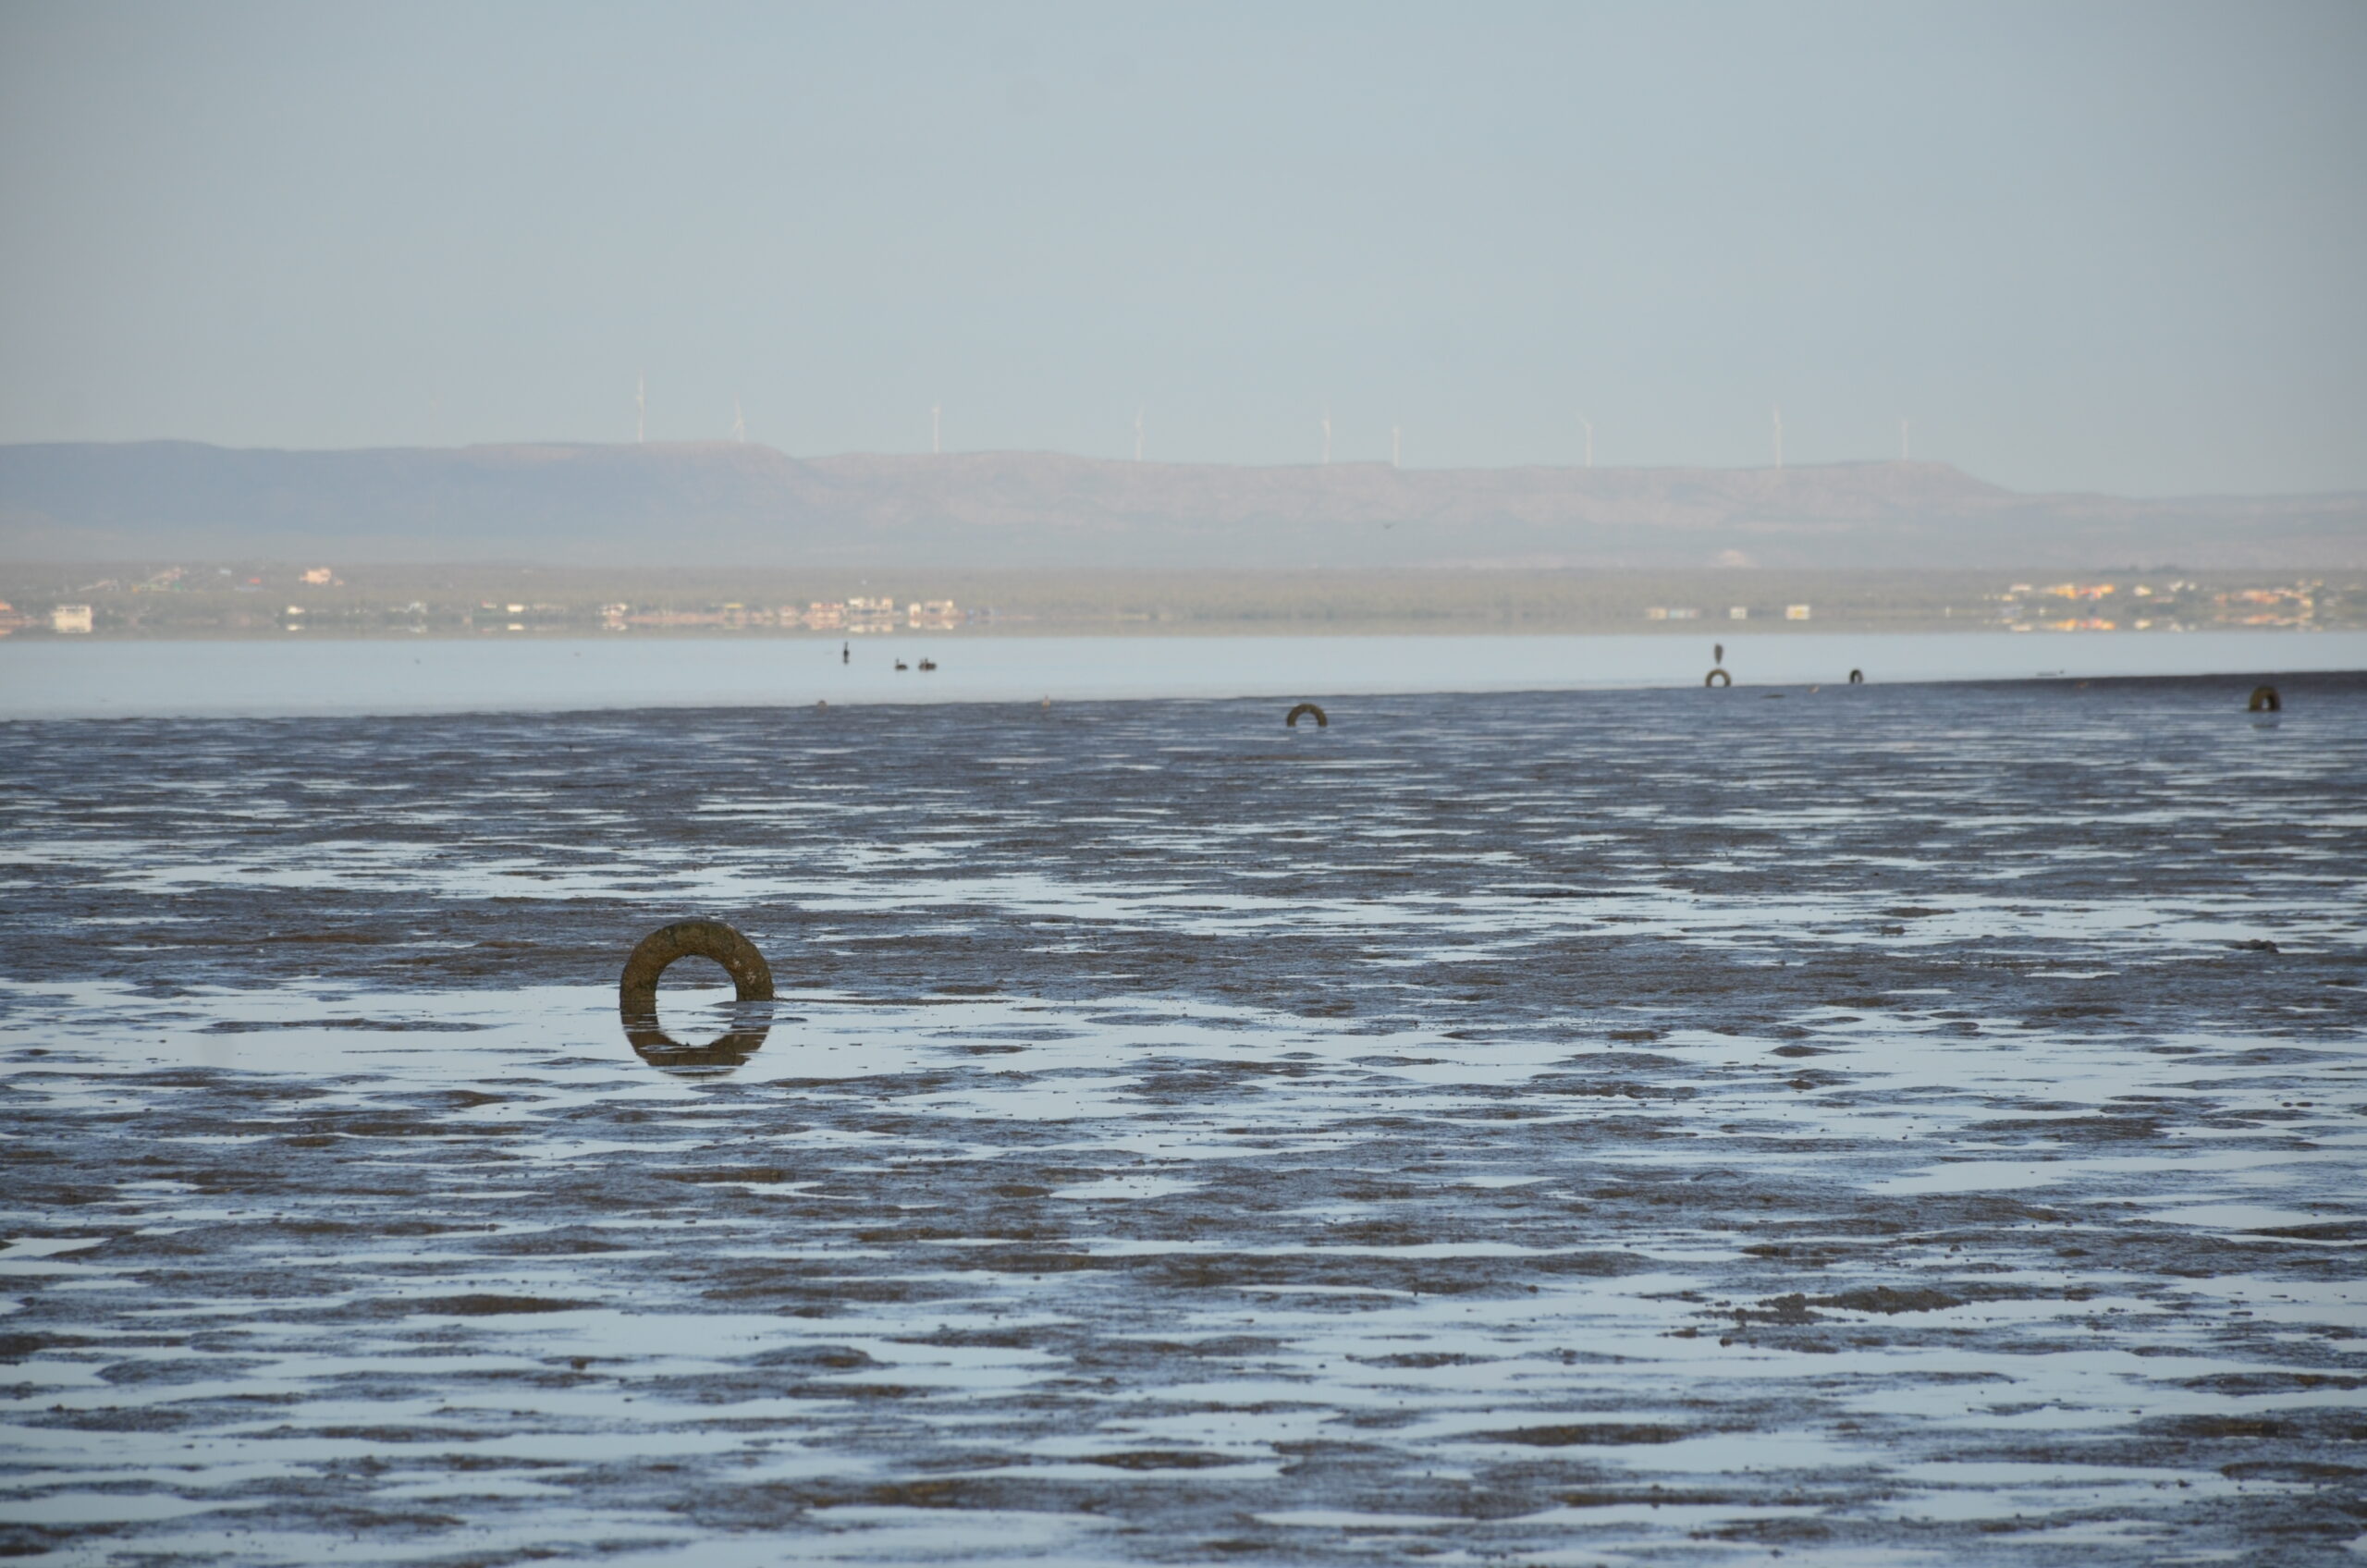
62,678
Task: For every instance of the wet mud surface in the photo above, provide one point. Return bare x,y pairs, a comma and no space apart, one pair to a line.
1914,1124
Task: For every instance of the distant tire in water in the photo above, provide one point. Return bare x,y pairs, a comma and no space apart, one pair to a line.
1717,678
1857,677
2265,700
1303,711
752,978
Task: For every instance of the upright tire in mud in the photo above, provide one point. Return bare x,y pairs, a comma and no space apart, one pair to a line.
2265,700
752,978
1303,711
1717,678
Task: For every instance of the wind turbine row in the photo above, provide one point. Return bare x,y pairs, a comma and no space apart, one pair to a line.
640,413
1396,433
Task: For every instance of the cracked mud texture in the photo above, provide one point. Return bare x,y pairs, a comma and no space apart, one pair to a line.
1671,1127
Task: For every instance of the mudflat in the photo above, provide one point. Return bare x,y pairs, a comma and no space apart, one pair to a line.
1667,1125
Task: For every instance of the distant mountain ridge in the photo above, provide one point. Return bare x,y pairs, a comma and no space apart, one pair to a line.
652,504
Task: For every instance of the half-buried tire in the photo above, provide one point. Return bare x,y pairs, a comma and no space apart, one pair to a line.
1857,677
2265,700
1306,710
752,978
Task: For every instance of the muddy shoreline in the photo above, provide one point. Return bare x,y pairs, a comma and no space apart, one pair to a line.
1646,1126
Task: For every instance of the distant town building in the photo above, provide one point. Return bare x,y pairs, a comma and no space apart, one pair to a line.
70,617
2292,606
1795,612
320,576
855,614
871,615
1738,612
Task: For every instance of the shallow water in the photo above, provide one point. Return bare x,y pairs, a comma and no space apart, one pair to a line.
1603,1127
66,677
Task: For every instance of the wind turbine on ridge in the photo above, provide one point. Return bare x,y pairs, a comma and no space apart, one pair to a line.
738,422
1779,436
640,407
1138,435
1589,429
1327,437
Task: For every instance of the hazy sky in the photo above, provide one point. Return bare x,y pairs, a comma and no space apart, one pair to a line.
2081,245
